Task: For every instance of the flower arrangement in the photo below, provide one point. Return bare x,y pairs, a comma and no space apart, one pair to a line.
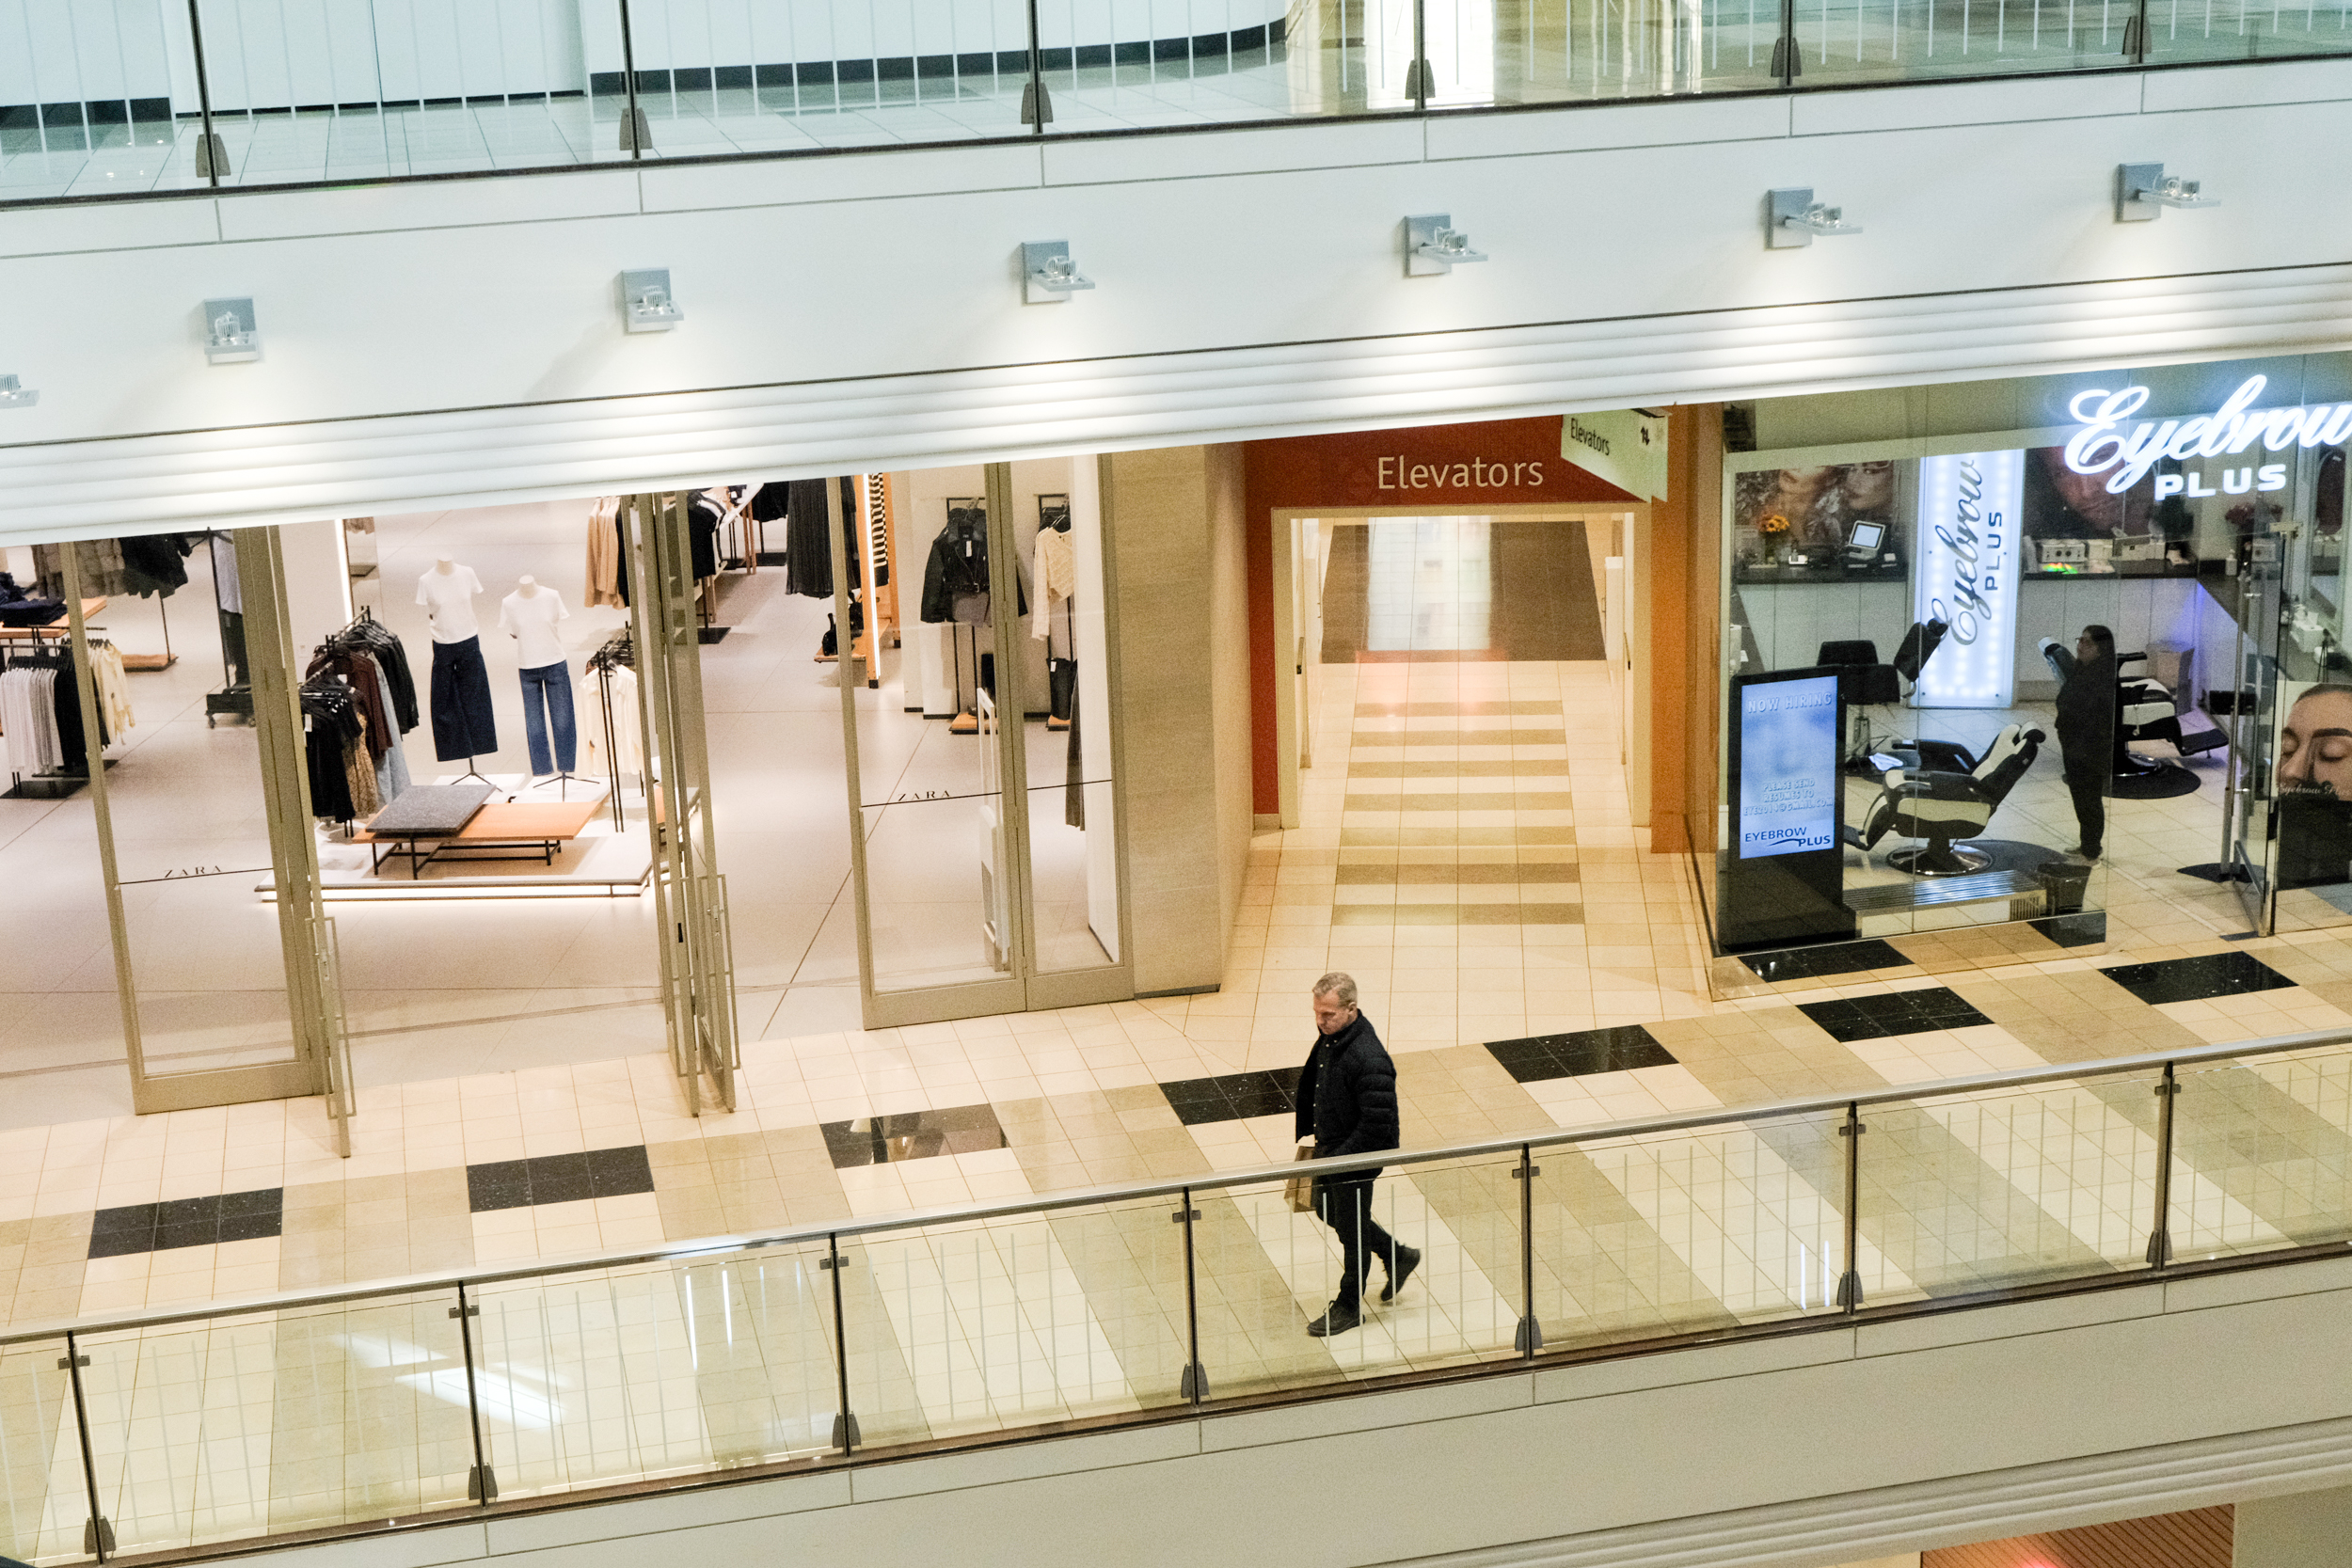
1770,529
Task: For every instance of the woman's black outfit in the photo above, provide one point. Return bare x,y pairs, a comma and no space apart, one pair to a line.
2086,730
1346,1102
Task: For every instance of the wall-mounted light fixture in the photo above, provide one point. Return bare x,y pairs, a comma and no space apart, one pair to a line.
2143,191
1792,219
232,336
1048,276
646,303
1432,247
15,396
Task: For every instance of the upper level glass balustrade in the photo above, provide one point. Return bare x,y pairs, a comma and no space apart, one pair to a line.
337,1410
113,98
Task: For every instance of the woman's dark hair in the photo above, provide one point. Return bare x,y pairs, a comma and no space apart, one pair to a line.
2103,639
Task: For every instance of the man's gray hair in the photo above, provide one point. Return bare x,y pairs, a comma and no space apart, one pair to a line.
1340,986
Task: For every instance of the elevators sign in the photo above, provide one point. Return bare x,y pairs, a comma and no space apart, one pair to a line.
1625,446
1967,577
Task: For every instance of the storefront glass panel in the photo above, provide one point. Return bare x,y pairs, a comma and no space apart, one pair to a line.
1912,746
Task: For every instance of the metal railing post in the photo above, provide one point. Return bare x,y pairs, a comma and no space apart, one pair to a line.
1528,1338
845,1432
2136,34
635,133
482,1486
1787,60
1849,1283
2160,1231
1194,1385
1037,108
208,150
1417,75
97,1537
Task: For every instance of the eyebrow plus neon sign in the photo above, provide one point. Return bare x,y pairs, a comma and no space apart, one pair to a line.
2103,444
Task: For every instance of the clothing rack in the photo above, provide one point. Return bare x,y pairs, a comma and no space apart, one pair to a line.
50,645
617,653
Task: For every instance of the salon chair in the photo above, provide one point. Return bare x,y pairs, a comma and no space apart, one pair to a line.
2144,710
1942,806
1862,683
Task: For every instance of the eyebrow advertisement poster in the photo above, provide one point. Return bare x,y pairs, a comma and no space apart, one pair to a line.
2311,778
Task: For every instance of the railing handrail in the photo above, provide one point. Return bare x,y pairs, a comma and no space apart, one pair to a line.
711,1246
1405,110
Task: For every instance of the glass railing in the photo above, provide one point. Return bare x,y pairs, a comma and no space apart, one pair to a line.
163,95
339,1410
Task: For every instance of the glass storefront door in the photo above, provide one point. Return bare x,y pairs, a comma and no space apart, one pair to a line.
226,997
690,895
987,851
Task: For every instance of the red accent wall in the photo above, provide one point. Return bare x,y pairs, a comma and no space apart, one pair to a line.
1430,467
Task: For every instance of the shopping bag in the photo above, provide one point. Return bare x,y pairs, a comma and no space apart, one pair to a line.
1299,1191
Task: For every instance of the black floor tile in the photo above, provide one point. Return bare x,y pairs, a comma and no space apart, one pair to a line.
557,1179
1837,958
2197,979
2073,930
187,1222
1234,1096
1904,1012
619,1172
1579,1051
913,1136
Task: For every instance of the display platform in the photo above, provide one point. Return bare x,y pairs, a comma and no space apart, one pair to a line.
561,830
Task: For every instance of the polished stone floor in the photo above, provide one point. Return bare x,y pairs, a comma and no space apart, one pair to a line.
1531,965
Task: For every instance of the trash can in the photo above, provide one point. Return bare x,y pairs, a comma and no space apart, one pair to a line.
2064,884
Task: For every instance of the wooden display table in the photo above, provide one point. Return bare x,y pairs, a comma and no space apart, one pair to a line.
522,830
59,629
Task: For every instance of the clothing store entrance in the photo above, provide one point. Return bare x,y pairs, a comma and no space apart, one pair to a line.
987,853
223,1000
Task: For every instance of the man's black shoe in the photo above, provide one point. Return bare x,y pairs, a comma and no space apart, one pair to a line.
1407,1260
1335,1320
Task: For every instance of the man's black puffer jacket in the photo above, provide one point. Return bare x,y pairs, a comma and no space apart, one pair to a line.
1347,1096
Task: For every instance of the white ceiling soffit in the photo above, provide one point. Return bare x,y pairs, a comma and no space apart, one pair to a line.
418,461
1856,1526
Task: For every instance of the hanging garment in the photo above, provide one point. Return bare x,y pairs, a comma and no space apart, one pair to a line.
955,580
113,685
702,516
462,723
617,683
101,560
392,659
356,671
332,730
808,551
28,719
228,591
604,552
155,564
391,768
1074,793
1057,577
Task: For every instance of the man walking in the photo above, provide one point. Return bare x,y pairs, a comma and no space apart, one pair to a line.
1348,1104
2086,728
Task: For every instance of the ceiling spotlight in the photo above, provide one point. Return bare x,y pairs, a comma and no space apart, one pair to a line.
1432,247
1048,276
15,396
2143,191
1793,218
646,303
232,334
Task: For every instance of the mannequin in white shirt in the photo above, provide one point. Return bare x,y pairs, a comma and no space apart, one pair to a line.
462,723
529,615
